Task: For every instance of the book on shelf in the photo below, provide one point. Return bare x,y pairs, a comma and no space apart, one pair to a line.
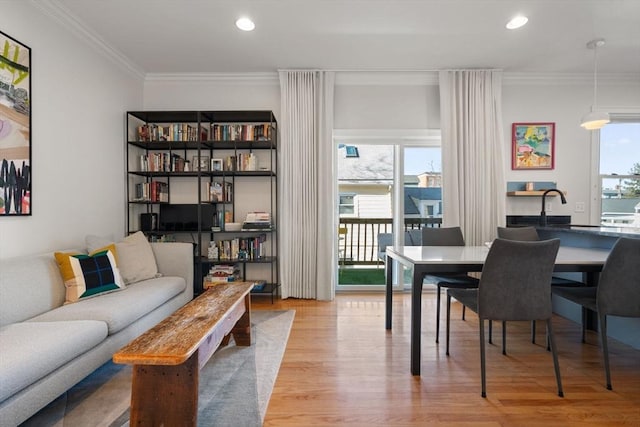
242,132
250,248
221,192
204,133
241,162
257,221
167,132
258,285
153,191
161,162
221,273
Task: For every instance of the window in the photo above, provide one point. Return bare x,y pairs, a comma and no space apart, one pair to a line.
352,151
620,174
346,206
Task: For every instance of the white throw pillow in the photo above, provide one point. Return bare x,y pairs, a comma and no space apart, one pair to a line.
136,261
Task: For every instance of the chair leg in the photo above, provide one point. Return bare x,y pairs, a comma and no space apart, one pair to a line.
438,314
554,353
548,343
605,348
504,337
533,332
490,332
464,310
584,324
448,320
482,360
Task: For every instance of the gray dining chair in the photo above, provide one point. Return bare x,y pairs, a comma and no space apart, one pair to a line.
411,238
515,285
447,236
617,293
530,234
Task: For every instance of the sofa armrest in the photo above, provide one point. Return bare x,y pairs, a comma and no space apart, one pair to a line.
175,259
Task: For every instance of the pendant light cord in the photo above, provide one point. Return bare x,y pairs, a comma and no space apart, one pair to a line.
595,76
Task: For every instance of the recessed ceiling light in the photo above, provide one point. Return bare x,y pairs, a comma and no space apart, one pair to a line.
517,22
245,24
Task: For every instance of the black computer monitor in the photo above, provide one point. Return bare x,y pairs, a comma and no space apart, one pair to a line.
184,217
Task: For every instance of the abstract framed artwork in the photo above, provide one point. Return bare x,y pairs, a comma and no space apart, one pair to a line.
15,127
533,146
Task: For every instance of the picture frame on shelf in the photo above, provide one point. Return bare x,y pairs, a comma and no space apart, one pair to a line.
200,163
15,127
216,165
533,145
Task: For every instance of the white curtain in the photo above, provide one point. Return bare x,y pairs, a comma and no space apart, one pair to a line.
306,173
472,152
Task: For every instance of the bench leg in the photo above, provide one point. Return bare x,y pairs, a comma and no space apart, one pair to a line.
165,395
242,329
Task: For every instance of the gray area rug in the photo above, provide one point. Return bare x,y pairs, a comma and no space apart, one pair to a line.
235,385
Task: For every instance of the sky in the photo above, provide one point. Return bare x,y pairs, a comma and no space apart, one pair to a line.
619,147
422,159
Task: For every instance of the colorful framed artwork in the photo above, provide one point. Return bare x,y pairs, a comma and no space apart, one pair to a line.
533,146
15,127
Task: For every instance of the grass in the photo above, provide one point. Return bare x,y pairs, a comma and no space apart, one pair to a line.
361,276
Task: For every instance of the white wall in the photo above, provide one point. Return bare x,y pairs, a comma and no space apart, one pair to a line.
411,101
79,99
164,92
405,102
564,103
400,102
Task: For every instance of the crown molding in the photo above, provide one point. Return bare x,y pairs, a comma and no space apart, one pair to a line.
568,79
398,78
262,78
386,78
68,20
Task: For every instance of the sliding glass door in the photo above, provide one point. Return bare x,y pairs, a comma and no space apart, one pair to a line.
384,182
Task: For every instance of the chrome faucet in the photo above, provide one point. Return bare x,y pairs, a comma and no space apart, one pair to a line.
543,213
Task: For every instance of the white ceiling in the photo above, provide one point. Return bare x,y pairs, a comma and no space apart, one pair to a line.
199,36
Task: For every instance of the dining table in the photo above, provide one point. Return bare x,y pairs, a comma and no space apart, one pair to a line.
425,260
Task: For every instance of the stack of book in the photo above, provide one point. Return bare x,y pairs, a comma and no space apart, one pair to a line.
218,274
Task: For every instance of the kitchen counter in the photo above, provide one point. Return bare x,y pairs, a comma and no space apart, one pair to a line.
595,230
587,236
623,329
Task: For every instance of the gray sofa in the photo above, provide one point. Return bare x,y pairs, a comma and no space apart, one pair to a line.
47,347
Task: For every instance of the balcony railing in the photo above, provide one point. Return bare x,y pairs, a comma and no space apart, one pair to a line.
358,237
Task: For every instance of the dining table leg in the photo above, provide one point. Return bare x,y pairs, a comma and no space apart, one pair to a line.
388,292
416,316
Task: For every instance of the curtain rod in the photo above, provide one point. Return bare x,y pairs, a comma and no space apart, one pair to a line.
389,70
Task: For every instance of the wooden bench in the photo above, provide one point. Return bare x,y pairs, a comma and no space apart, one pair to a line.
168,357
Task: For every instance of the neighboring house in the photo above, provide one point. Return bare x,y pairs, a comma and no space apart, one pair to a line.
365,184
421,202
365,179
621,212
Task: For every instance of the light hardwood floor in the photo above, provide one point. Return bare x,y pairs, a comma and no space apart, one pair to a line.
341,367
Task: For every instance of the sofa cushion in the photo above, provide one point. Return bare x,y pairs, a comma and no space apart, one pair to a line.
29,286
87,276
135,256
120,309
31,350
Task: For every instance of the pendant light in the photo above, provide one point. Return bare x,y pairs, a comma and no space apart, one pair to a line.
595,119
